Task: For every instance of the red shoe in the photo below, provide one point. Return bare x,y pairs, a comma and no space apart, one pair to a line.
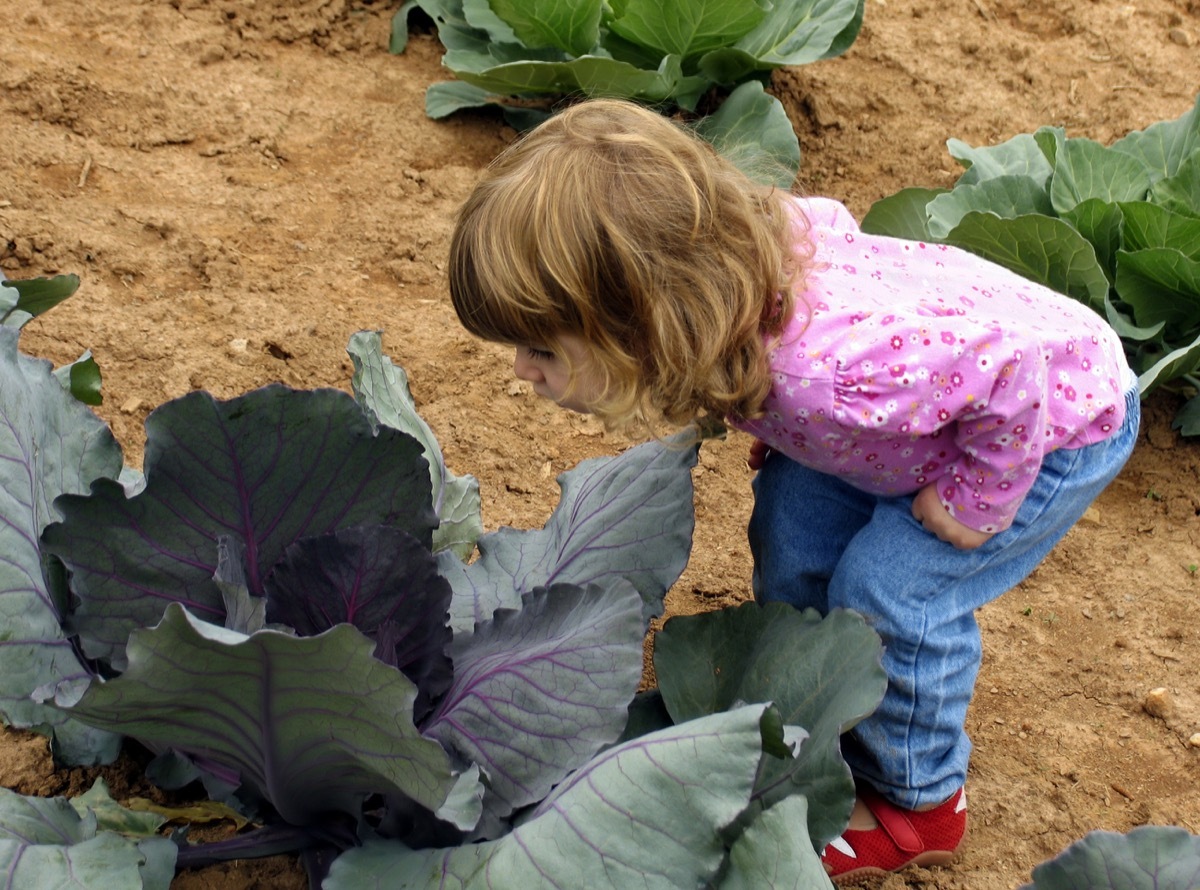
902,838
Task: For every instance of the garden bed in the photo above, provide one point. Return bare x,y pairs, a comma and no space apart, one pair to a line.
243,185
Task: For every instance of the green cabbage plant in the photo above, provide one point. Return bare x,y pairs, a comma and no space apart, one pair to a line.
523,54
1150,857
1116,227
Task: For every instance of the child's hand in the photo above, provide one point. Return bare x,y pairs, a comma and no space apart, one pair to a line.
927,509
759,450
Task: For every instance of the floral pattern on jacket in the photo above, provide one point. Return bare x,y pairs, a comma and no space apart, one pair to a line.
907,364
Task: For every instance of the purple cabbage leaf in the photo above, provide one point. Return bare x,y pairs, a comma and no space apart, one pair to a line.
244,612
313,724
265,469
822,674
50,445
1151,857
54,842
383,581
537,692
629,517
381,388
650,813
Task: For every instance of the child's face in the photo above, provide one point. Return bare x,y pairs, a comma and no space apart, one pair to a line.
548,373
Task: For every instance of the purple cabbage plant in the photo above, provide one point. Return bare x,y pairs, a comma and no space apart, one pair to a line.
295,607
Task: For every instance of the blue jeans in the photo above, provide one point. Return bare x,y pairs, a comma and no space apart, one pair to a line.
818,542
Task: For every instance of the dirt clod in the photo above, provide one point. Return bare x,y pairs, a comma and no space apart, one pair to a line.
1159,703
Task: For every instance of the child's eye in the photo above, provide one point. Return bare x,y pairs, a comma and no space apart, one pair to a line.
539,354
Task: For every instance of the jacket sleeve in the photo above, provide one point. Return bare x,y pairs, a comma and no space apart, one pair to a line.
978,392
829,213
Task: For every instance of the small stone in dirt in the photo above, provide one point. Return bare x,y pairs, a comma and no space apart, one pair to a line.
212,54
131,405
1194,741
1180,36
1158,703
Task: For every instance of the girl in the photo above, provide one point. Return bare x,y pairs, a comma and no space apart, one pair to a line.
927,424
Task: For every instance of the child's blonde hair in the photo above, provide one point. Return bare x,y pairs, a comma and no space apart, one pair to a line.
616,225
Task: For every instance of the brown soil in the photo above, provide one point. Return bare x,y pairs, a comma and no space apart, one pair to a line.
243,185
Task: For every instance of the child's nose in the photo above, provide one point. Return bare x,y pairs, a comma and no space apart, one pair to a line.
525,369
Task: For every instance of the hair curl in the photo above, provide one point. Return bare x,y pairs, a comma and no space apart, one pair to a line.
614,224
